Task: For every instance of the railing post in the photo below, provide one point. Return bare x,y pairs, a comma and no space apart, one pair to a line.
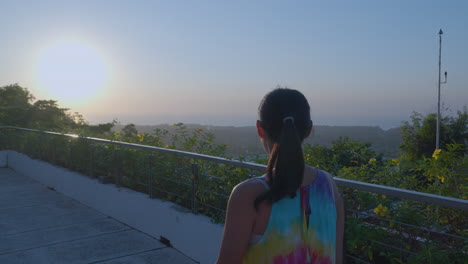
194,177
150,175
42,148
116,168
90,160
39,147
70,154
53,155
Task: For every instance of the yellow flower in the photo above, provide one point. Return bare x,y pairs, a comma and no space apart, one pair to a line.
141,137
395,162
436,153
441,178
380,210
372,161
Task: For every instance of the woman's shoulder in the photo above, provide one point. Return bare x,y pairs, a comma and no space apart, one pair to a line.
257,184
326,182
251,187
318,175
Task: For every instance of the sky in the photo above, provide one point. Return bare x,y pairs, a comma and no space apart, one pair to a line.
149,62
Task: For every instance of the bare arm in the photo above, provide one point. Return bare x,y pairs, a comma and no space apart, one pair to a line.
240,217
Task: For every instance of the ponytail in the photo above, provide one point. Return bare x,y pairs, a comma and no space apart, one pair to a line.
286,164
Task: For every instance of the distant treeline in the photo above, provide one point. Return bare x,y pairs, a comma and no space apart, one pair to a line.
244,140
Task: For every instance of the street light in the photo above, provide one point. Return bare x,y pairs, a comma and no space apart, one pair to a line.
438,96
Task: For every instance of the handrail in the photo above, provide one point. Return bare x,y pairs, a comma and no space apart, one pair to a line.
247,165
362,186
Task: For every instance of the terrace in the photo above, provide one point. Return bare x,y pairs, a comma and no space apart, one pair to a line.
40,225
103,200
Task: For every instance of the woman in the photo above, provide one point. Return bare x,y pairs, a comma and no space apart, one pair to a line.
294,213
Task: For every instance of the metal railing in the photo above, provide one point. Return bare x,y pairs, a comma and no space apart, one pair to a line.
361,186
192,164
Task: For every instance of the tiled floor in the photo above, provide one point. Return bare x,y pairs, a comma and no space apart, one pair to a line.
41,226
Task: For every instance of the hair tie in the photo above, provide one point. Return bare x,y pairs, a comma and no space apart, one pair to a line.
288,118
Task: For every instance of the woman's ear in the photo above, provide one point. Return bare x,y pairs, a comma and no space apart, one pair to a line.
260,130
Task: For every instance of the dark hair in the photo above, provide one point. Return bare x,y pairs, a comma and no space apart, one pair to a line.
284,115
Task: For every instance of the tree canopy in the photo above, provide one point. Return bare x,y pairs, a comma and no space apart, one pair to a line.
15,105
419,134
18,108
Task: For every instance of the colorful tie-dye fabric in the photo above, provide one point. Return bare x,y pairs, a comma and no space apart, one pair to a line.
300,229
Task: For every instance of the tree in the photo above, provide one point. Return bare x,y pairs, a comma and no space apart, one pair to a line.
46,114
99,130
419,134
17,108
344,152
129,131
15,105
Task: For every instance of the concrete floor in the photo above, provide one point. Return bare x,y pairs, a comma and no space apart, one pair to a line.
40,226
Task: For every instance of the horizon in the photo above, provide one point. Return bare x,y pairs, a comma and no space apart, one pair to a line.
241,122
209,62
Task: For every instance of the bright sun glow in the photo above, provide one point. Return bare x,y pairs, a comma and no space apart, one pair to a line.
72,72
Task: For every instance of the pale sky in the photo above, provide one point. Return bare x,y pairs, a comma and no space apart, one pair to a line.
211,62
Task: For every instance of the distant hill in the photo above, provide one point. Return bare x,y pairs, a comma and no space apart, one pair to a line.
383,141
244,140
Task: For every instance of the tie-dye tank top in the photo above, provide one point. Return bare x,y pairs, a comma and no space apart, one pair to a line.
300,229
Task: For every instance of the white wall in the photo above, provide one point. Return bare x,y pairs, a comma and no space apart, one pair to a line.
193,235
3,158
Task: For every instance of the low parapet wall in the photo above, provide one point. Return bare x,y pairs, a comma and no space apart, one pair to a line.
194,235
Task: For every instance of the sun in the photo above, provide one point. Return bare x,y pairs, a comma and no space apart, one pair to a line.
72,72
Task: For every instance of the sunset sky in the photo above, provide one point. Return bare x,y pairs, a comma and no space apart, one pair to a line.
211,62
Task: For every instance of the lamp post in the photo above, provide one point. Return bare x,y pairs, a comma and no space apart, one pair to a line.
438,94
